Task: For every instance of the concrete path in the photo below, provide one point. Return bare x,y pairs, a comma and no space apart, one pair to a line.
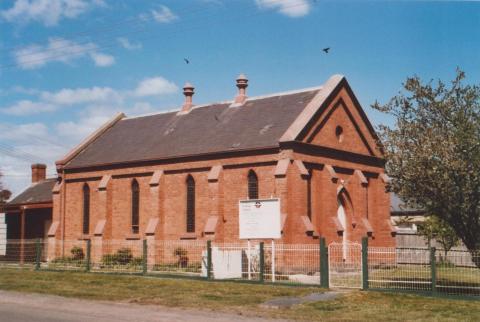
287,302
22,307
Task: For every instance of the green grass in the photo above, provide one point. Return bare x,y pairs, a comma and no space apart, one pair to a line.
238,297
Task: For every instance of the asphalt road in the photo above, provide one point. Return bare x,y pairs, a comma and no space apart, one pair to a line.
21,307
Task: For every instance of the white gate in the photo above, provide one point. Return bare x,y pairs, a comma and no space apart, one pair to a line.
345,265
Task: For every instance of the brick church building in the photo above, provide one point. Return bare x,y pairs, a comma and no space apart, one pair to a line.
180,175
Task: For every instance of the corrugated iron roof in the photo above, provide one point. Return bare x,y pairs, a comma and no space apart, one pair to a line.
39,192
221,127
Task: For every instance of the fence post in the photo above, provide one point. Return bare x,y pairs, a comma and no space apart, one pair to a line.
365,263
209,259
38,254
144,257
262,263
433,268
323,264
88,258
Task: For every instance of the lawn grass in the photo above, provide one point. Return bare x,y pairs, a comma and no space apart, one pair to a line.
239,297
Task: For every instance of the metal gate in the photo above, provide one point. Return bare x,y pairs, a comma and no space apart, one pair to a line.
345,265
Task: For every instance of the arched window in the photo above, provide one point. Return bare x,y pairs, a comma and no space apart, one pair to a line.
309,194
135,206
190,204
86,209
252,185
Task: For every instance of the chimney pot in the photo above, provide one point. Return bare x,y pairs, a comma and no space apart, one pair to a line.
242,84
188,91
39,172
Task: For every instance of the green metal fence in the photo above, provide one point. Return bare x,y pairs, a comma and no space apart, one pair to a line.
336,265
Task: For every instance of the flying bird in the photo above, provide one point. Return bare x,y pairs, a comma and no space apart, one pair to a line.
186,61
326,50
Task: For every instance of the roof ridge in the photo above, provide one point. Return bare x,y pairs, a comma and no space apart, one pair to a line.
253,98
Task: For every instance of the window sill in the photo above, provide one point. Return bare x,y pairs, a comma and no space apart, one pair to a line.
188,236
133,237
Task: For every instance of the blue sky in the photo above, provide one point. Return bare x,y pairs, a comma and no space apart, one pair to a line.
66,66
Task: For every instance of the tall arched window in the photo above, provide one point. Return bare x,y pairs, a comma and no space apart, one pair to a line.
86,209
252,185
190,204
135,206
309,194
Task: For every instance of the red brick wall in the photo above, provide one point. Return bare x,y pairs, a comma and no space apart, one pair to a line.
167,201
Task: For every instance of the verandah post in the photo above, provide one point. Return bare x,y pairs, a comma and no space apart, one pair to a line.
365,263
262,263
144,257
323,264
433,268
209,259
88,257
38,254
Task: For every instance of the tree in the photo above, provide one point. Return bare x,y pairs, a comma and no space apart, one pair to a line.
4,194
433,152
435,228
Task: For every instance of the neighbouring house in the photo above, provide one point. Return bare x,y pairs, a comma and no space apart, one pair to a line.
180,175
29,214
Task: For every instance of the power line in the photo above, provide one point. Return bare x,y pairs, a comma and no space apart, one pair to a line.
38,138
86,34
114,44
95,31
18,154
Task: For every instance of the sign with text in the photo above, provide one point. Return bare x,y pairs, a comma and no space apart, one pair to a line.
260,219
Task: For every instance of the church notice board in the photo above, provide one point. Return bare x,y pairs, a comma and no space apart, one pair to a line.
260,219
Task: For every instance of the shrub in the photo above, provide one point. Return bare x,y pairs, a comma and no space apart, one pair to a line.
137,261
124,256
77,253
109,259
181,253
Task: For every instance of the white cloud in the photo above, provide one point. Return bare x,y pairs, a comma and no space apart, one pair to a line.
75,131
25,91
53,101
102,60
18,133
155,86
128,45
47,144
164,15
48,12
291,8
27,107
59,50
68,96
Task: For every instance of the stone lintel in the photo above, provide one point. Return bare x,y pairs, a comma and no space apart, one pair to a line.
301,168
214,173
282,167
361,177
102,186
100,227
155,180
52,231
152,226
331,172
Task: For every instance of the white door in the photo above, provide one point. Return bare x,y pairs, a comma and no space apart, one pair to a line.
342,218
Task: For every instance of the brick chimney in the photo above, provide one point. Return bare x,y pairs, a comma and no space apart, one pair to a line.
242,84
188,91
39,172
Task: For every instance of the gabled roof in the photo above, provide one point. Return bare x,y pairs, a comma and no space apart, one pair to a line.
261,122
40,192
